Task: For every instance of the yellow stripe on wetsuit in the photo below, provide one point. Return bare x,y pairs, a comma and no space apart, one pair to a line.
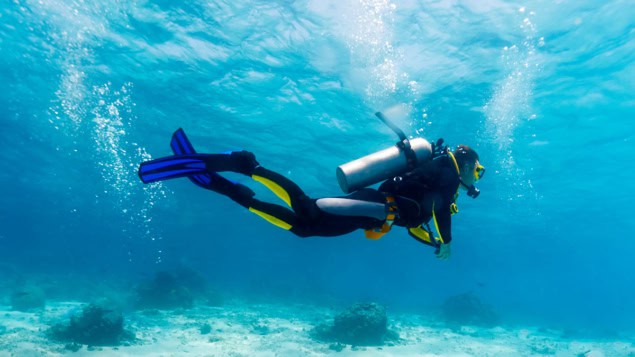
278,191
271,219
274,187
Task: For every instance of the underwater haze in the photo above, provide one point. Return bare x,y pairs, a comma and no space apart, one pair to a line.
543,90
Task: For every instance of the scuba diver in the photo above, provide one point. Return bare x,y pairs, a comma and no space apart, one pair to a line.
421,182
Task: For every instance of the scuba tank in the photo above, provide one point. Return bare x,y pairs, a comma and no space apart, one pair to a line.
384,164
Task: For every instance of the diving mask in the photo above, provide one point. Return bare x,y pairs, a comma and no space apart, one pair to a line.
479,171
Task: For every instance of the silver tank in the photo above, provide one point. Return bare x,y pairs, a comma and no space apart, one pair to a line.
380,166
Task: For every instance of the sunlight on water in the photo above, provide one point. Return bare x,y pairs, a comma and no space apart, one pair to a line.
70,38
510,104
370,43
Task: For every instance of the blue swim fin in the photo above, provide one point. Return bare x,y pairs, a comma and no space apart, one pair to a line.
172,167
181,145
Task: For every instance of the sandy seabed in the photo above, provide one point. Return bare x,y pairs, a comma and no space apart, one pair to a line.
239,329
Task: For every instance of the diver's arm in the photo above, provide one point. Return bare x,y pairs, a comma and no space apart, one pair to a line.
443,224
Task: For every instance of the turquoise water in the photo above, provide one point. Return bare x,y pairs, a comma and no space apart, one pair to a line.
542,89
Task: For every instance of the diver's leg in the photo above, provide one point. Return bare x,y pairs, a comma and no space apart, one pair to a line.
244,162
300,220
301,225
275,214
305,220
364,208
239,193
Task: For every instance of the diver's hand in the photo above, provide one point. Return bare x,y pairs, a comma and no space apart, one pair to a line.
444,251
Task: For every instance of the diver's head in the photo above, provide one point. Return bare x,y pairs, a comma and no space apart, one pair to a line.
470,169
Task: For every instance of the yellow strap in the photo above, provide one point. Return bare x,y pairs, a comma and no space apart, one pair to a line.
456,165
275,188
271,219
374,235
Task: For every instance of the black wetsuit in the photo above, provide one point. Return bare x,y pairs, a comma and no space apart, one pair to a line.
417,195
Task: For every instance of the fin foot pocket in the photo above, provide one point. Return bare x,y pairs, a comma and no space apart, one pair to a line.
245,162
